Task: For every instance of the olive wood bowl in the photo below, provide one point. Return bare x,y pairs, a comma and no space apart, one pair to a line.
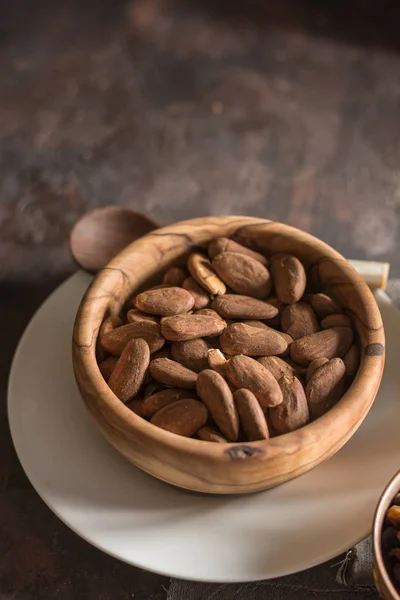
232,468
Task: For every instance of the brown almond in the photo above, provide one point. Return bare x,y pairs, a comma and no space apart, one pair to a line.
216,395
277,366
130,370
314,365
289,340
243,274
153,403
166,301
252,418
289,277
107,366
193,354
323,305
175,276
208,434
352,360
190,327
245,372
235,306
330,343
209,312
217,361
137,316
240,338
115,341
202,271
224,244
293,412
200,296
325,387
299,320
170,372
184,417
108,325
336,321
135,406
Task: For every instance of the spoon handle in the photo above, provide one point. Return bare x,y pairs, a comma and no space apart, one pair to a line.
375,274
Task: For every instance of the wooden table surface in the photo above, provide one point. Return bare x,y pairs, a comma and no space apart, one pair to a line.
288,110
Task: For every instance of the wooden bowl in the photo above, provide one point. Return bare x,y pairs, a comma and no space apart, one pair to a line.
233,468
383,582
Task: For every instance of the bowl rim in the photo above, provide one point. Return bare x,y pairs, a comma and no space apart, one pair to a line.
389,492
208,449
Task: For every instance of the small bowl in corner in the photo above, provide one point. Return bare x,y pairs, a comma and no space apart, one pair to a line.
225,468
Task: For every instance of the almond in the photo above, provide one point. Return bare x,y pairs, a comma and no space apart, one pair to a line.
289,277
183,417
299,320
325,387
245,372
175,276
216,395
209,312
336,321
170,372
324,305
166,301
208,434
352,360
240,338
115,341
217,361
330,343
234,306
201,270
107,366
224,244
276,366
137,316
190,327
243,274
109,324
289,341
293,412
314,365
252,418
153,403
200,296
192,353
130,370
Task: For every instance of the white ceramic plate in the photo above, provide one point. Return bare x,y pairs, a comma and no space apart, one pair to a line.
147,523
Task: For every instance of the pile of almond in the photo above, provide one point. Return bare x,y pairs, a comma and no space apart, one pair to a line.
230,348
391,541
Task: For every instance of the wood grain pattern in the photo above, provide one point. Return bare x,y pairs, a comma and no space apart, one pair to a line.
231,468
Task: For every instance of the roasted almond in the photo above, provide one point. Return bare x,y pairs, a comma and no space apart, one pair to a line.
224,244
234,306
130,370
314,365
243,274
190,327
216,395
107,366
175,276
170,372
202,271
109,324
299,320
240,338
330,343
184,417
293,412
289,277
200,296
208,434
336,321
153,403
217,361
209,312
245,372
277,366
324,305
192,353
115,341
289,340
352,360
137,316
325,387
252,418
165,301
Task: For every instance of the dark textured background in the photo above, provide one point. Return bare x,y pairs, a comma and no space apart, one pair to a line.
288,110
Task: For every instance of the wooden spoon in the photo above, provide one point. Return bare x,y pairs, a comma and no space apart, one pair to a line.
100,234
